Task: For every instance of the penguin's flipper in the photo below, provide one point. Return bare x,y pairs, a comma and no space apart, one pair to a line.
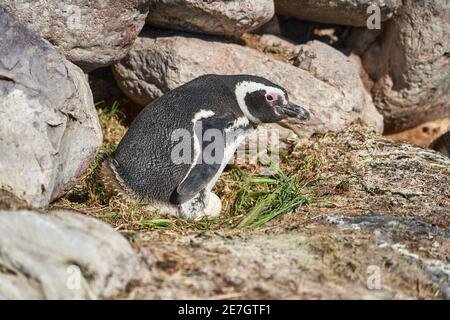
196,181
209,160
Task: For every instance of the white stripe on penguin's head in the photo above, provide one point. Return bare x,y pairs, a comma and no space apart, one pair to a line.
245,87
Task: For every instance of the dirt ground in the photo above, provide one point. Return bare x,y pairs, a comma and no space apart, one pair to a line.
380,229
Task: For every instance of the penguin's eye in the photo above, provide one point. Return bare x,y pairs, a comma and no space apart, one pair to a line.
269,97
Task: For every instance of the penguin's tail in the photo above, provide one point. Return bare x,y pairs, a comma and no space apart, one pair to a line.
113,184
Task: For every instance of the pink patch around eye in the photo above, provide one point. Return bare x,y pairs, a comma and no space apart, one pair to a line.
271,96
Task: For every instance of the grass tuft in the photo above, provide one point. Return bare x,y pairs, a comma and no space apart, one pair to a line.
262,198
149,222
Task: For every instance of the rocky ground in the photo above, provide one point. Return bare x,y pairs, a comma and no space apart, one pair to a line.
383,210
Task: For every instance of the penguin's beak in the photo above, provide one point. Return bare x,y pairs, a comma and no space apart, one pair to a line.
294,111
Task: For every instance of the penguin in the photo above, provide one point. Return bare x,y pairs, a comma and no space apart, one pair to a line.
146,164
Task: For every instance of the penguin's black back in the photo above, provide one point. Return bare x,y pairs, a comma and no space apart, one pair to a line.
143,157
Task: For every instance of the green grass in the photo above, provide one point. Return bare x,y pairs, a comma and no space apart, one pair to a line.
263,198
109,215
155,223
110,112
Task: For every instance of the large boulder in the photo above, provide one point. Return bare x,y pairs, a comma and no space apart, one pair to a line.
89,33
49,129
345,12
63,255
231,17
326,82
410,65
341,72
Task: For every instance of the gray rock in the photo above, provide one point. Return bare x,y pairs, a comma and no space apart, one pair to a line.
360,39
63,255
411,65
49,129
231,17
89,33
271,27
345,12
339,71
326,83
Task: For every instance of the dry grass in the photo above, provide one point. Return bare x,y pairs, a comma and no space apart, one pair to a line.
249,199
276,52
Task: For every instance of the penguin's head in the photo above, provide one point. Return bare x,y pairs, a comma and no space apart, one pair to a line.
262,101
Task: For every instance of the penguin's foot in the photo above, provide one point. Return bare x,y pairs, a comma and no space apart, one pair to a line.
202,205
213,209
163,208
191,210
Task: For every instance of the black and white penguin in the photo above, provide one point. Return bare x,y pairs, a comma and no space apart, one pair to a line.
143,165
